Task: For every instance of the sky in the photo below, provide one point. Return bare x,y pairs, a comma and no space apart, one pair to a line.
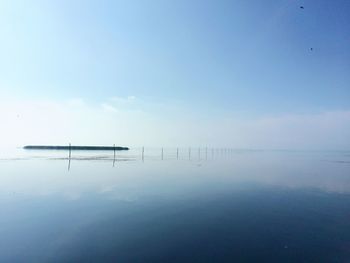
241,74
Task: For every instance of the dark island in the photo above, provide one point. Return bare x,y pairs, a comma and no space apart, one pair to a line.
85,148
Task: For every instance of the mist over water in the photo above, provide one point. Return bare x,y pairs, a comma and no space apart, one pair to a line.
233,206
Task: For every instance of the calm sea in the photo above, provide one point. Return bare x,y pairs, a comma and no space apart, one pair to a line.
214,206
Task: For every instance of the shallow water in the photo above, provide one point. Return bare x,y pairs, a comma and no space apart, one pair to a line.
237,206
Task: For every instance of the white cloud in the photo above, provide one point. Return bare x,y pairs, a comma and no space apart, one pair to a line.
123,100
123,103
109,108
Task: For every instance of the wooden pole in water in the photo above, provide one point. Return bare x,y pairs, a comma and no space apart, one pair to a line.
70,151
177,153
189,153
113,154
206,153
162,153
199,153
70,155
143,153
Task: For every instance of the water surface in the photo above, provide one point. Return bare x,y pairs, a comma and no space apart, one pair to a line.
237,206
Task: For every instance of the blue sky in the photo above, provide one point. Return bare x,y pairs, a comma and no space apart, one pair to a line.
202,61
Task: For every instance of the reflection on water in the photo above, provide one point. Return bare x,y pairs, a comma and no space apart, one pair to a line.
243,206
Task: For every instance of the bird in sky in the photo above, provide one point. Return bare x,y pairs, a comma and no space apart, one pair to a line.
301,7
